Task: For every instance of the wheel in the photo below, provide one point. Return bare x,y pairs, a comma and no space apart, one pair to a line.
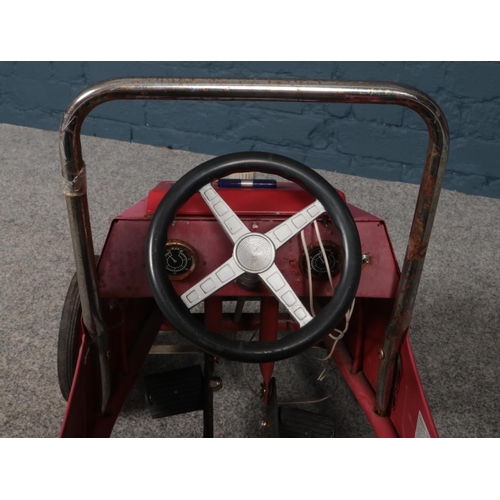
253,253
68,343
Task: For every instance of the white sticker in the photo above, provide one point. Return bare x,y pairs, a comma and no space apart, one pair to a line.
421,430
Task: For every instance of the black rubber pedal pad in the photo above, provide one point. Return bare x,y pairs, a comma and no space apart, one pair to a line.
298,423
174,392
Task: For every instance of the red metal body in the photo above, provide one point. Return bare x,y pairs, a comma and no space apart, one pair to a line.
127,301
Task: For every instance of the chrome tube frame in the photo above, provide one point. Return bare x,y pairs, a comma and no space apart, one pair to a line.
74,182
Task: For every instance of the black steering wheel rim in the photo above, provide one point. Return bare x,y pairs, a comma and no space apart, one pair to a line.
177,312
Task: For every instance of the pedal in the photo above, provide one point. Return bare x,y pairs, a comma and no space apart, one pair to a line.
174,392
297,423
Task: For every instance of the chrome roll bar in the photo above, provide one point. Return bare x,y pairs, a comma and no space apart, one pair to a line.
75,191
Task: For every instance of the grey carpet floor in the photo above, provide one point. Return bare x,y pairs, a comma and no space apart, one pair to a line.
456,325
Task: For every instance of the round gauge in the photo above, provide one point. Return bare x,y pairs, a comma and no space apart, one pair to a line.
317,260
180,259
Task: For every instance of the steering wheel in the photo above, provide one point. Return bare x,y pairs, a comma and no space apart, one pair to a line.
253,253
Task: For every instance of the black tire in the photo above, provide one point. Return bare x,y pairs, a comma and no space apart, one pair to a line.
68,344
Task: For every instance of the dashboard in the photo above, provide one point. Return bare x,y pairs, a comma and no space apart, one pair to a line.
196,245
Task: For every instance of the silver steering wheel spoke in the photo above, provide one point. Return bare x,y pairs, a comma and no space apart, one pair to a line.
230,222
277,284
252,252
223,275
294,224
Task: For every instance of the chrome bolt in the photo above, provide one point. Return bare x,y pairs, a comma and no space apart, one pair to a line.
216,384
381,353
264,424
366,259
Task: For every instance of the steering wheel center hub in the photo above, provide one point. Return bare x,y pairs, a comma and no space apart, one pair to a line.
254,253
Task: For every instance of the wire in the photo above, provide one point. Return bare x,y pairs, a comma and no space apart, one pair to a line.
349,312
341,333
309,275
309,402
335,338
247,381
323,252
313,401
243,365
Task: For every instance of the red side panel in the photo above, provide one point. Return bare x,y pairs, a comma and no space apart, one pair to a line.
411,415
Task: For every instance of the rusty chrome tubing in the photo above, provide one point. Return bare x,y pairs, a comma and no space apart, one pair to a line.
74,181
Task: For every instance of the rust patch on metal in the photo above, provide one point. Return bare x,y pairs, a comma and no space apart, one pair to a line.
428,184
417,251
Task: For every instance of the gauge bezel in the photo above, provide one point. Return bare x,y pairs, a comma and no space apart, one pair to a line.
190,251
328,245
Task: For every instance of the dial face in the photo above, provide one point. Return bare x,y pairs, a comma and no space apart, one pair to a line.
317,260
318,265
180,260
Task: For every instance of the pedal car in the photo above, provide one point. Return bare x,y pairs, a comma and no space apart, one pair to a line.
322,272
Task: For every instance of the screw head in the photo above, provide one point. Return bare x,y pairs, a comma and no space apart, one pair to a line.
215,384
381,353
366,259
265,424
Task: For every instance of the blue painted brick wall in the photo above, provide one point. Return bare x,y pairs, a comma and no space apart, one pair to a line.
384,142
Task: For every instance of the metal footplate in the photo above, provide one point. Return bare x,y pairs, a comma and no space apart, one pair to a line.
297,423
175,392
